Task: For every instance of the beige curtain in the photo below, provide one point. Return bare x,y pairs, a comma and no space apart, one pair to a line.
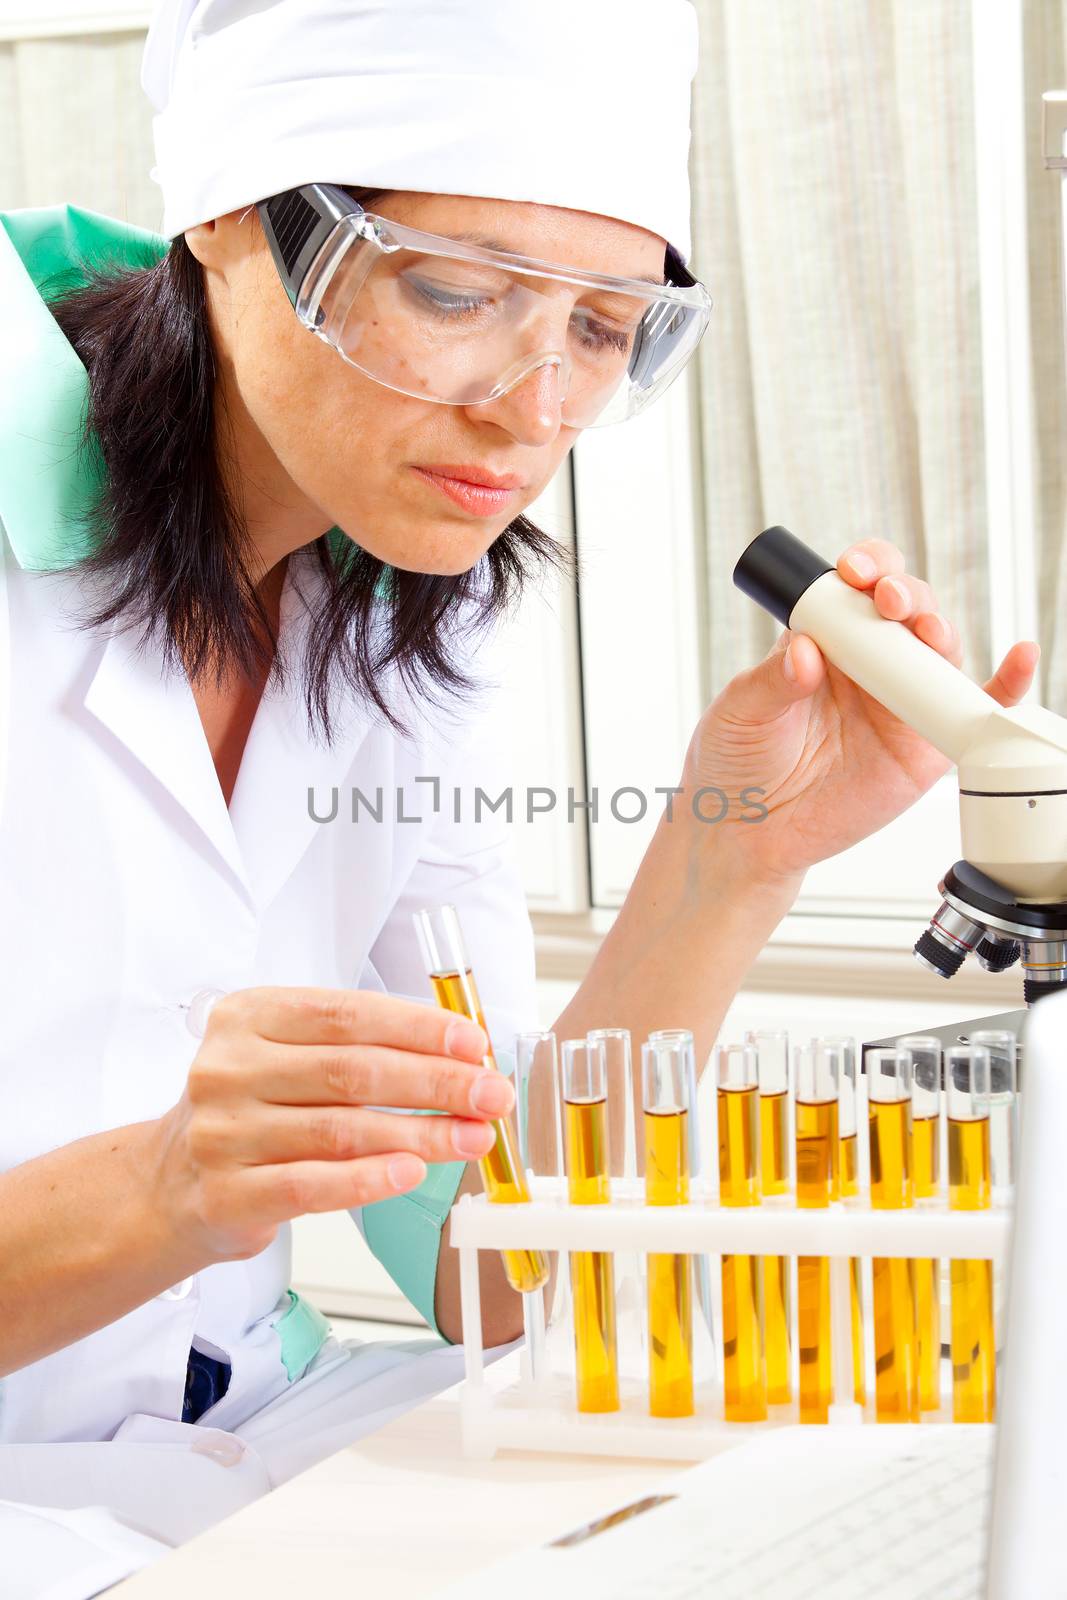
835,225
75,126
1045,65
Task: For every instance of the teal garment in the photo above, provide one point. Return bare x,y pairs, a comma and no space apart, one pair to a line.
303,1330
50,476
405,1234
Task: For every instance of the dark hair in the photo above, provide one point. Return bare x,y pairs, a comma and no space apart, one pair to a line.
171,548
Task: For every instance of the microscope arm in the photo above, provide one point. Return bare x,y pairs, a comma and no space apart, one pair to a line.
1012,761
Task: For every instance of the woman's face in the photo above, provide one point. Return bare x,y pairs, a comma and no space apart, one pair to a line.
314,443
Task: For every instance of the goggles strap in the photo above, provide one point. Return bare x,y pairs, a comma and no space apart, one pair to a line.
297,227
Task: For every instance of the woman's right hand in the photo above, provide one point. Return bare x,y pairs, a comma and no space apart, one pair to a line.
277,1116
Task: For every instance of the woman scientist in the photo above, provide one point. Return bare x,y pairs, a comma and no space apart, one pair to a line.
244,563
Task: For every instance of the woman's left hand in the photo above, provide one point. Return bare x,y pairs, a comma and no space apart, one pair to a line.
832,763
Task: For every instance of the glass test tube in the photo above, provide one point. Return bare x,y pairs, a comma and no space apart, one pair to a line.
772,1071
925,1053
849,1185
585,1128
682,1038
627,1164
623,1093
973,1347
1003,1104
537,1103
744,1372
665,1083
503,1176
896,1341
816,1076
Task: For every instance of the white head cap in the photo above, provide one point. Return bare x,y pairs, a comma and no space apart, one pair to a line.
575,103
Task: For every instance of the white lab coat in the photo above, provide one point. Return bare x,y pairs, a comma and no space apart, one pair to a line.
129,892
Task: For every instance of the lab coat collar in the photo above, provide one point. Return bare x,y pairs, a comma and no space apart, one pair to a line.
284,758
262,835
49,477
48,483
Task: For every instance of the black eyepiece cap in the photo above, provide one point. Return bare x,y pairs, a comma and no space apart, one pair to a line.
776,569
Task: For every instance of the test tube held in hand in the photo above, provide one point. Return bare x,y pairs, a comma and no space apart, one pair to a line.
666,1087
450,974
925,1053
588,1160
772,1070
969,1189
896,1334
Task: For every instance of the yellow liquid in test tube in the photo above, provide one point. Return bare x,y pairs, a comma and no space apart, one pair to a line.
925,1160
973,1347
774,1179
896,1339
585,1126
850,1187
817,1165
670,1297
744,1374
501,1170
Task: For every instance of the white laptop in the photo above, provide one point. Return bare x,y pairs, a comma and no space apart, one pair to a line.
882,1513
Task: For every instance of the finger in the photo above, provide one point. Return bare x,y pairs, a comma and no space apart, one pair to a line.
940,634
275,1194
789,672
1015,674
902,597
804,665
348,1016
370,1075
337,1133
862,564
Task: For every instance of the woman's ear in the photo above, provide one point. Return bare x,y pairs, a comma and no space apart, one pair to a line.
201,242
225,239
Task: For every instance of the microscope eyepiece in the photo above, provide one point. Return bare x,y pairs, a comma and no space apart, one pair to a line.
776,569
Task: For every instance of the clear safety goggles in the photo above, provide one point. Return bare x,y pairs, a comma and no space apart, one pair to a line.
459,324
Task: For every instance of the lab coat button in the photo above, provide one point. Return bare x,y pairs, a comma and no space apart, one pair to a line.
178,1291
200,1009
220,1446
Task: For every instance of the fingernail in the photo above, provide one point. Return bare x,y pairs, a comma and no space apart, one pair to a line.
472,1138
944,627
466,1039
863,566
406,1172
899,590
492,1094
789,665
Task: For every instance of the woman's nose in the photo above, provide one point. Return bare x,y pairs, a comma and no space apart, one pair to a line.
531,410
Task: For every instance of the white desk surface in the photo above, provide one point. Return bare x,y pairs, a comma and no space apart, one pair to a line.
400,1512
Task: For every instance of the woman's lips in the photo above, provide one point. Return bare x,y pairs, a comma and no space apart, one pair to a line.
473,497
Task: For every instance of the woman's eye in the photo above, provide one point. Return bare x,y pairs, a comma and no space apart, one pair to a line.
600,336
448,303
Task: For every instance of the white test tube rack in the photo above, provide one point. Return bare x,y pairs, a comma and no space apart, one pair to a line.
538,1411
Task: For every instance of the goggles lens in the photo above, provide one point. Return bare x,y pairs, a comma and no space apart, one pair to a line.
465,328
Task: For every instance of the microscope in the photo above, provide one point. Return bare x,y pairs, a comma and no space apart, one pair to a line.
1006,899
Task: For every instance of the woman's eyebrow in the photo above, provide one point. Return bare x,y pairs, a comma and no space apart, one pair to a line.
488,243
